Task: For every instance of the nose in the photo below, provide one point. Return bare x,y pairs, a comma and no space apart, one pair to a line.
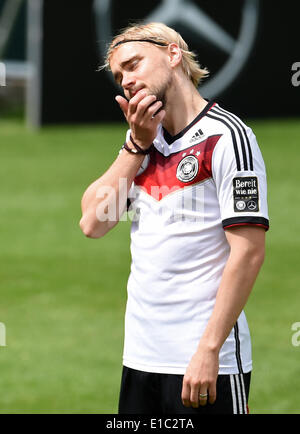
127,81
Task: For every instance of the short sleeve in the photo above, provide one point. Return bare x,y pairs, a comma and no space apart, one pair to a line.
240,178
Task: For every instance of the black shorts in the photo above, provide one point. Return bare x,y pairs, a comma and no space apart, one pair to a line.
151,393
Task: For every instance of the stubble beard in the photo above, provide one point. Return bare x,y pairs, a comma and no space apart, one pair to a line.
161,92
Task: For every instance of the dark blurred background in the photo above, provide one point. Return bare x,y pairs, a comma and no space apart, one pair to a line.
57,46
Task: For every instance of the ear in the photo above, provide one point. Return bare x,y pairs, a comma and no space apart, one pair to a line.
175,54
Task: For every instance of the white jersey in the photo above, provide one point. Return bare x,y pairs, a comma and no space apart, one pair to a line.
191,187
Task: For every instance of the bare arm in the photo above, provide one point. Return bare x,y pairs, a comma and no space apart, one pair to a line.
105,200
247,246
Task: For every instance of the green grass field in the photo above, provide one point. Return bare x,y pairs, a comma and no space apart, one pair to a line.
63,295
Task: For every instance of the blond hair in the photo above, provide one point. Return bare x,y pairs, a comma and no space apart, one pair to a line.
162,35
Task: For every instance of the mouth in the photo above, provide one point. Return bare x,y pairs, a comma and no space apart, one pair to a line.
134,92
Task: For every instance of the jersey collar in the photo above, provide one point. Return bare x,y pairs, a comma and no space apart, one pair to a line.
170,139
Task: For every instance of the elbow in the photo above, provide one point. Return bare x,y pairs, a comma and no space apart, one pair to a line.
251,258
259,257
255,258
88,229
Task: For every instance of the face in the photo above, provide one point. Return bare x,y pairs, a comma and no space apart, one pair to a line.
137,66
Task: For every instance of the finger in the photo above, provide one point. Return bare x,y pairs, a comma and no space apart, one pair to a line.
202,396
153,110
135,100
185,394
195,396
212,393
143,106
123,103
159,117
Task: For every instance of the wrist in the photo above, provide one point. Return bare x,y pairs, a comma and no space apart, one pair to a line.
140,147
132,150
208,345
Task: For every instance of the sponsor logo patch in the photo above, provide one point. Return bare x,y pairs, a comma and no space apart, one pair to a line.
246,194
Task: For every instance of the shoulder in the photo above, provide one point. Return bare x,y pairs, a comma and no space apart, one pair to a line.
225,117
238,138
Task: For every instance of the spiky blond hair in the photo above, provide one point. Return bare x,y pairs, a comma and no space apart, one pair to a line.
160,33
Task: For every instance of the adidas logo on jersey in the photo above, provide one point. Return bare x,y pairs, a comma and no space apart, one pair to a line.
197,136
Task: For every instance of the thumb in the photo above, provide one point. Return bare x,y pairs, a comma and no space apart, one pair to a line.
123,103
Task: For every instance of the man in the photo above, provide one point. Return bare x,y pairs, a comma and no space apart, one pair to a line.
195,181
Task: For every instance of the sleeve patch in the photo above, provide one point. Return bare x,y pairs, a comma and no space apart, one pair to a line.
246,194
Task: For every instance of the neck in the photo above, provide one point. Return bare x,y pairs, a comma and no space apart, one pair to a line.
183,104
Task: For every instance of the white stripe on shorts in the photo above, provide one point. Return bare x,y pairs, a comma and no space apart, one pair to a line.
238,394
234,403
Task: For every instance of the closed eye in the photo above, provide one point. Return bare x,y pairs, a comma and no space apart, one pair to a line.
128,65
132,65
